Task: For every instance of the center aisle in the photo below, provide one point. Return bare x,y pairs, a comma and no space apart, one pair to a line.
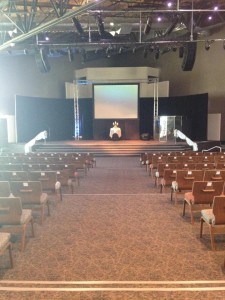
116,175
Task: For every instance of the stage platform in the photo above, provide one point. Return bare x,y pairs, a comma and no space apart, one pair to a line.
121,147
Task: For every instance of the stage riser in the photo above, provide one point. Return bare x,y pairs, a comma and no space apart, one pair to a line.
114,150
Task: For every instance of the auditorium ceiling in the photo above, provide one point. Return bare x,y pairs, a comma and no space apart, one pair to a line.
106,27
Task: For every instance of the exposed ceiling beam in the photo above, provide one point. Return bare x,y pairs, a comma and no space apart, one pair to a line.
49,24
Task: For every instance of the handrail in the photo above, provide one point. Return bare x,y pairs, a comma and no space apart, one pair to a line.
205,150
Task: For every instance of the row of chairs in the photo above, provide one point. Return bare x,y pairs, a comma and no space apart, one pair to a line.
154,159
203,192
86,159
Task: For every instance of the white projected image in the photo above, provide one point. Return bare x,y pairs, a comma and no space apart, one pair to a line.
117,101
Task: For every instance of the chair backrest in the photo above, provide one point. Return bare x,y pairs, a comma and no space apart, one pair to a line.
10,210
31,167
29,191
190,159
206,159
14,175
161,167
185,178
11,167
4,189
205,166
219,210
214,175
48,179
169,175
205,191
185,166
158,159
174,159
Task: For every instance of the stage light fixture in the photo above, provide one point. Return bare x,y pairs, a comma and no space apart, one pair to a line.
148,26
145,53
181,52
70,54
174,48
157,54
120,50
100,24
134,50
207,45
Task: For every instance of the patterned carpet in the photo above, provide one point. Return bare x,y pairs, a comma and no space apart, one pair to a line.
120,239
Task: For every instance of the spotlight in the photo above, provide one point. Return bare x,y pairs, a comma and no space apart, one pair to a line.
207,45
100,24
83,55
151,49
134,50
145,53
148,26
70,54
181,52
121,50
174,48
157,54
108,52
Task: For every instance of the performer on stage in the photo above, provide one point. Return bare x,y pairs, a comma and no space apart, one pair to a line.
115,131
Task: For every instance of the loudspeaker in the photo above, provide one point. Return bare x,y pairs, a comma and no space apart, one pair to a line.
42,60
189,56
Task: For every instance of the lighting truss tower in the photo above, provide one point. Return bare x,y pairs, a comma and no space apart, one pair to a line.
76,113
156,97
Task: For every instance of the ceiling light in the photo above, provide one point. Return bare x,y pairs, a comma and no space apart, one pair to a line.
209,18
215,8
159,19
111,24
169,4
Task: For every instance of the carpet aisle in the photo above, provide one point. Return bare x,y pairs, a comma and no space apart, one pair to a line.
117,227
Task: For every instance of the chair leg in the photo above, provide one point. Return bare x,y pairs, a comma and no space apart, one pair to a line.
32,227
10,254
48,207
201,227
213,245
171,195
184,207
192,216
23,236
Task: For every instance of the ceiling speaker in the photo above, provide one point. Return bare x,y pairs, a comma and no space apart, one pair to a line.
189,56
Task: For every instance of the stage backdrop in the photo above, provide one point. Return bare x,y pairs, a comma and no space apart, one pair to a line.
57,117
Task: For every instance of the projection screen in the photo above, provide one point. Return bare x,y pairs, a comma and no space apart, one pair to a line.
116,101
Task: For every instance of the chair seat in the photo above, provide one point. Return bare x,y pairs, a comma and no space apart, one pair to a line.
4,240
189,198
26,216
208,216
44,198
